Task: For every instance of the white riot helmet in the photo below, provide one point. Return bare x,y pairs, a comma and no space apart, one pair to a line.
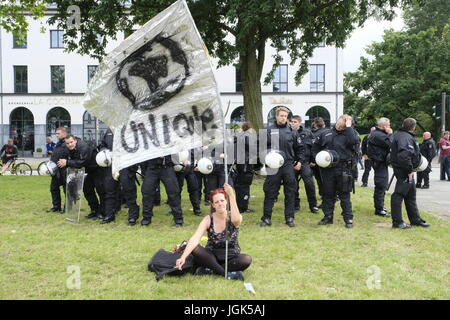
49,168
104,158
422,165
178,167
205,165
327,158
274,160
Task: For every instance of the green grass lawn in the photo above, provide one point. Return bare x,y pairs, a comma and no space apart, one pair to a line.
306,262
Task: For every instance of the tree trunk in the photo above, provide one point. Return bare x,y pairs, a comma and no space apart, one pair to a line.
251,67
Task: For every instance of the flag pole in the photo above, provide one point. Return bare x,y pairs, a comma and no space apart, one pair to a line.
225,162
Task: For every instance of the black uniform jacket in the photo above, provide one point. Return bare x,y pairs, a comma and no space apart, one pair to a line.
405,153
343,142
378,145
288,144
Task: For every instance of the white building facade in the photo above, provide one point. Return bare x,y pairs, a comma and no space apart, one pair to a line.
42,88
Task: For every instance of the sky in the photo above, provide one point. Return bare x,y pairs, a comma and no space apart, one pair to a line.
371,31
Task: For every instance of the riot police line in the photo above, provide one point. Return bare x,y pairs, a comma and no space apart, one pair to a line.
285,153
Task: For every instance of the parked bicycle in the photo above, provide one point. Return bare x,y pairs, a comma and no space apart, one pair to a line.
19,167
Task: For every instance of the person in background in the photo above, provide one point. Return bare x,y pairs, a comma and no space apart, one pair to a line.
444,158
367,161
428,150
8,153
50,146
405,157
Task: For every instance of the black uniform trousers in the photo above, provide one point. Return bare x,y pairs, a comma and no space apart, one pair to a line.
167,175
381,180
201,181
242,181
404,191
367,168
93,183
111,189
424,175
58,180
192,185
442,168
306,174
318,176
284,176
216,179
337,181
129,189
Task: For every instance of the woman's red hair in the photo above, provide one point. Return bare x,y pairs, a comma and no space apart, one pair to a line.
216,192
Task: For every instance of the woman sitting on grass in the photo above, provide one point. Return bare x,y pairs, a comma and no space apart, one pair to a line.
211,259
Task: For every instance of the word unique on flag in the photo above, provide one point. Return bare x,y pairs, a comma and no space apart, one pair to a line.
157,91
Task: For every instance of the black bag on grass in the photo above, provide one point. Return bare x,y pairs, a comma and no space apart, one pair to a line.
163,263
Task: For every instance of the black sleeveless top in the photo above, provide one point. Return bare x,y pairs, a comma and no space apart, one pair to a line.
216,240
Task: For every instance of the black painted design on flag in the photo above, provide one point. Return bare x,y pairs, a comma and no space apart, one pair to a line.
152,69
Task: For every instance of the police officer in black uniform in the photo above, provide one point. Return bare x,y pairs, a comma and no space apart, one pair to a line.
428,150
127,178
246,154
316,130
378,147
187,173
405,156
356,154
81,155
305,138
216,178
338,180
59,178
367,161
110,185
160,169
291,151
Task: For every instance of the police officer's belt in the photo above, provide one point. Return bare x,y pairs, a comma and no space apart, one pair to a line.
343,164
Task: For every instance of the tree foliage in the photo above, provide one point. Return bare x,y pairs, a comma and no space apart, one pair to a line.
405,78
12,17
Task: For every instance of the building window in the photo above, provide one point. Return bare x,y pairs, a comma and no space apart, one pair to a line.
56,39
317,111
57,117
21,130
20,79
58,79
93,131
238,116
317,77
91,71
19,42
280,82
238,80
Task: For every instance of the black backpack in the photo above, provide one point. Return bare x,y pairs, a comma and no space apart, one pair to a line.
163,263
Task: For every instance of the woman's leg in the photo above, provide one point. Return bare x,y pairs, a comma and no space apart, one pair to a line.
239,263
205,258
447,167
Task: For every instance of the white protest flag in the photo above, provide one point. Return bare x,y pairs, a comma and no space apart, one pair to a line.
157,91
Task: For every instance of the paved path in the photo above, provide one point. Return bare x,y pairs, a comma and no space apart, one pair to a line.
435,200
